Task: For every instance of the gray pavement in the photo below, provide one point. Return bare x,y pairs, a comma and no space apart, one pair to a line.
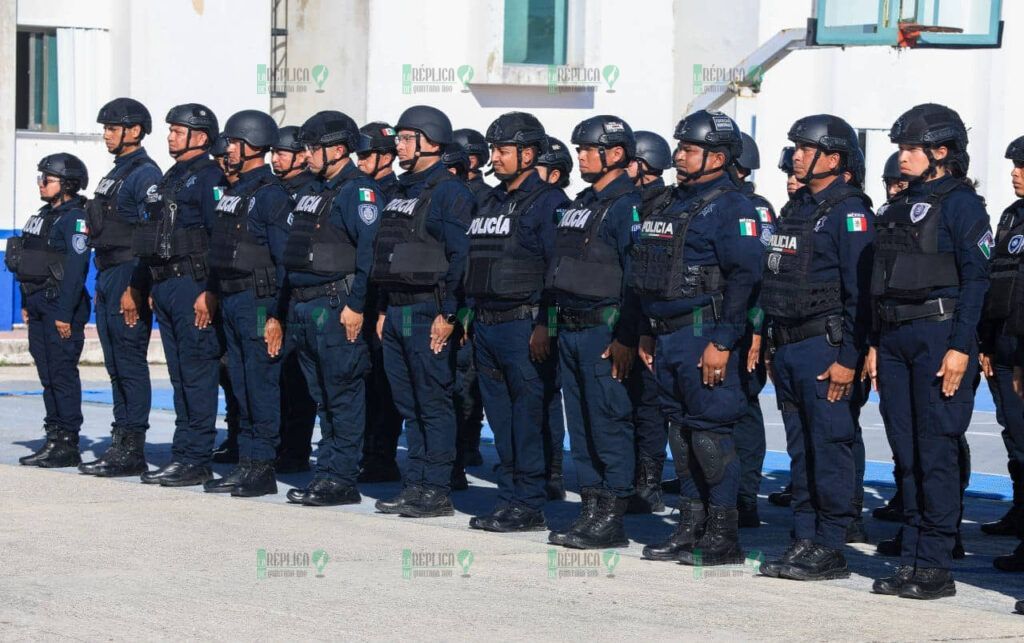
85,559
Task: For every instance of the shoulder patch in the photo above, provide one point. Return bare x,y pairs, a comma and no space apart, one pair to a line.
368,212
1016,244
881,209
78,243
764,214
985,244
856,222
748,228
918,211
81,226
218,192
367,195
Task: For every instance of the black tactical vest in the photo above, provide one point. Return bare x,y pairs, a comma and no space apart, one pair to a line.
158,237
788,288
405,254
585,265
499,267
30,256
908,265
110,233
234,250
315,244
659,268
1004,299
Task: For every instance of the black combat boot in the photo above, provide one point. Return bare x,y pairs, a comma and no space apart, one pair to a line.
227,452
720,544
691,524
32,459
928,584
228,483
891,585
891,511
518,518
259,480
647,498
396,505
1011,562
782,498
179,474
816,562
328,493
1008,525
432,503
588,510
299,494
125,457
797,547
606,529
63,451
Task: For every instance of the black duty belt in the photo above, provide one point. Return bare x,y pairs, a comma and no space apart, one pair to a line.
330,289
410,298
782,335
572,320
672,324
183,268
933,310
112,257
485,316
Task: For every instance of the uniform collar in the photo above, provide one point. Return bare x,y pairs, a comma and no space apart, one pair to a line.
620,185
193,161
253,175
531,183
300,179
821,195
409,178
128,158
347,173
74,202
694,189
923,188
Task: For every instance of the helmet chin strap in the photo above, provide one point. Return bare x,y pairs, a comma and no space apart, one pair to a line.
690,177
809,175
505,176
409,164
188,144
928,173
243,157
327,164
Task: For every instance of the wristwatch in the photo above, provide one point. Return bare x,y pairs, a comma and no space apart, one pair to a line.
721,347
452,319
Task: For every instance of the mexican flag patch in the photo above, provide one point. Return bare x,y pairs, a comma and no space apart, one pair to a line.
748,228
218,192
856,223
366,195
765,214
81,227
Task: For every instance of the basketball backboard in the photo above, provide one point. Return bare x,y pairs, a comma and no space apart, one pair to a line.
948,24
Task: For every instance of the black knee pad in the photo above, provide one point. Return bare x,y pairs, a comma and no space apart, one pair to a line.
680,450
713,459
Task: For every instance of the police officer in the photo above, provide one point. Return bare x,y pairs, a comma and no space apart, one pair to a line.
930,277
749,431
329,255
51,259
375,157
474,145
1000,334
511,242
419,260
653,156
696,302
123,327
172,244
298,410
597,332
554,165
815,295
469,412
246,258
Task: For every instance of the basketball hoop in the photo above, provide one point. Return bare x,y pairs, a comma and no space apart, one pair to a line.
909,32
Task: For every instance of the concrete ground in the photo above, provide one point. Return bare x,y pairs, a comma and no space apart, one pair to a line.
86,558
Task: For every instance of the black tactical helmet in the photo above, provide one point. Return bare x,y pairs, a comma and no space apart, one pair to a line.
826,132
1015,150
710,130
126,112
556,155
219,147
605,131
288,139
750,157
516,128
376,137
786,160
857,168
429,121
67,167
194,116
454,156
891,171
931,125
329,128
473,142
254,127
653,150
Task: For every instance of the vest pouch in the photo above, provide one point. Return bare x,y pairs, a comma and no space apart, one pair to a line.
587,279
